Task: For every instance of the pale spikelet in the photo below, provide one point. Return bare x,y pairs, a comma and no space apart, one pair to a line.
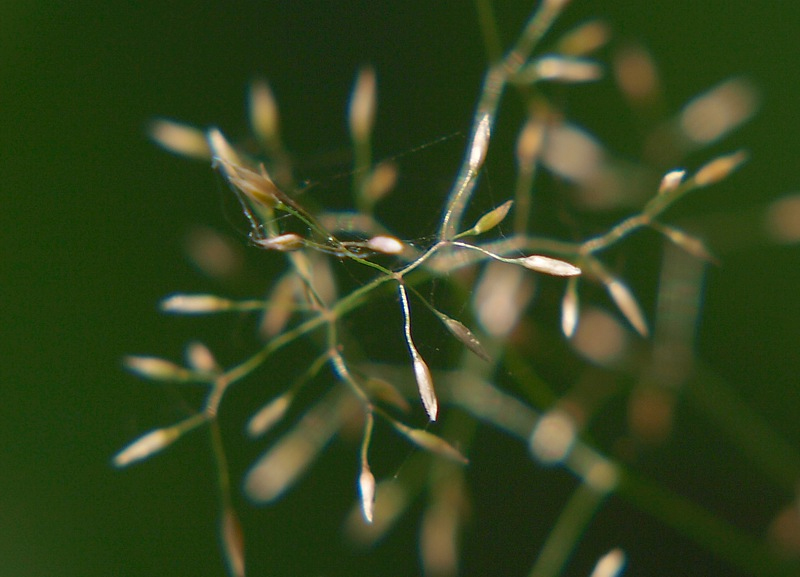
380,181
384,391
361,113
573,153
627,304
283,243
421,371
501,296
480,143
214,254
197,304
547,265
280,467
569,308
719,168
465,335
391,500
636,74
600,338
782,219
671,181
157,369
584,39
553,437
425,385
146,446
386,244
257,186
180,139
222,150
610,565
232,540
529,143
201,359
691,244
282,299
713,114
489,220
263,112
320,275
438,540
430,442
366,489
565,69
269,415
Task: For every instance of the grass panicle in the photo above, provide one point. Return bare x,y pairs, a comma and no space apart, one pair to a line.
493,271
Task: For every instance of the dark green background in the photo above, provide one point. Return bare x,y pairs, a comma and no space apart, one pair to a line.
93,216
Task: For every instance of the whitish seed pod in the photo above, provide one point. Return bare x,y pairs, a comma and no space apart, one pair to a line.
180,139
269,415
547,265
421,371
569,308
565,69
386,244
283,243
627,304
366,487
157,369
201,359
480,143
391,500
671,181
146,446
610,565
195,304
425,385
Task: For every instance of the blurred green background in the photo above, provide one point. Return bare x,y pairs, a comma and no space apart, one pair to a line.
93,219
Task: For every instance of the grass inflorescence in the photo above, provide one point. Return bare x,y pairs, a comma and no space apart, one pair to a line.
493,263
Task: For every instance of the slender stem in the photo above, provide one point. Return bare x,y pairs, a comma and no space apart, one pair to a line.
571,523
486,112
